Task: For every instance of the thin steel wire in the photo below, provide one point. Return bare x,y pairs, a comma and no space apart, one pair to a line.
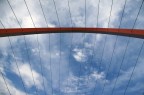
71,42
117,38
103,47
104,43
24,38
56,13
98,11
92,58
43,13
59,64
60,42
50,66
38,47
38,41
139,52
85,14
134,67
27,46
83,36
94,42
126,50
5,82
110,60
15,59
113,49
29,13
49,46
41,65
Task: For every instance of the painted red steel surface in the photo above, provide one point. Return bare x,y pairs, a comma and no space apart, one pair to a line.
114,31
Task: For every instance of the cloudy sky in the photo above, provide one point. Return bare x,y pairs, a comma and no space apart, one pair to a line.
71,63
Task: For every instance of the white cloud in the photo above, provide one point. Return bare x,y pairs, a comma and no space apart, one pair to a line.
77,12
99,37
26,74
87,82
97,75
22,14
88,45
51,25
4,43
11,87
125,75
79,55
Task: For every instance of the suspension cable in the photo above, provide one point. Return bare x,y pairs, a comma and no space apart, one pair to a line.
38,48
60,42
139,51
15,59
113,51
83,36
39,44
70,41
93,44
5,82
103,46
126,50
117,38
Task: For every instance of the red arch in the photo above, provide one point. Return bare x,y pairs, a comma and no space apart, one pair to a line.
114,31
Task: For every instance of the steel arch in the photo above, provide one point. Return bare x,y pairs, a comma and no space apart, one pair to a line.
113,31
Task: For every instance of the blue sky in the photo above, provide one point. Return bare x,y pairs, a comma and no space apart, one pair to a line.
71,63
